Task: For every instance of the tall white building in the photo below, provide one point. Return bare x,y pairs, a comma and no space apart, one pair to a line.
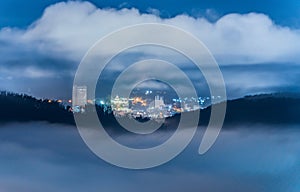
158,102
79,97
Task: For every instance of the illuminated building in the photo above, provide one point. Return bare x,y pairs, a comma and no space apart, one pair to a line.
120,104
158,102
79,97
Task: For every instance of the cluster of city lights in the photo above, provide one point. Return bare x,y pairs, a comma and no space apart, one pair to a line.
140,106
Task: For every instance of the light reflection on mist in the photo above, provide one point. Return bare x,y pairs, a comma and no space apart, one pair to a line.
51,157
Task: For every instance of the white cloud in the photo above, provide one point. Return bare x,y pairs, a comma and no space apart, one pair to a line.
71,28
153,11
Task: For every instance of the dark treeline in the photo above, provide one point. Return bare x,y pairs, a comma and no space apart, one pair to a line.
24,108
20,108
273,109
264,109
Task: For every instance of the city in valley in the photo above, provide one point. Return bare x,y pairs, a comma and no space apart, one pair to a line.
147,104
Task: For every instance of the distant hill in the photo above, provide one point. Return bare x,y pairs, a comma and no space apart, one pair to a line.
264,109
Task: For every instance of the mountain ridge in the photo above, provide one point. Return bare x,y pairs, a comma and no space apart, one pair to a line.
263,108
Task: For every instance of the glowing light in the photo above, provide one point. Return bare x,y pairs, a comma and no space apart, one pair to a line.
139,100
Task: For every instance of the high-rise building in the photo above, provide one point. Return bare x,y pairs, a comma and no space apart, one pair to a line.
158,102
79,97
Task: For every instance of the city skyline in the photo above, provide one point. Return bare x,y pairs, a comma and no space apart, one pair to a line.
146,105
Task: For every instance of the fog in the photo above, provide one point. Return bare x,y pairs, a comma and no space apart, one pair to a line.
51,157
